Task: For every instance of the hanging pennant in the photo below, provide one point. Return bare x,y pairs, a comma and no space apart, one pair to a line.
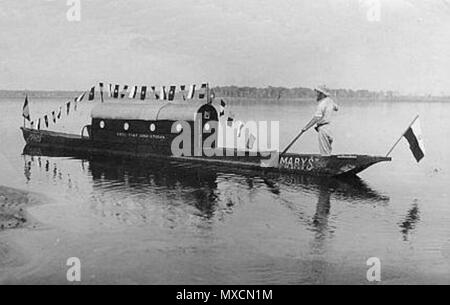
133,92
171,93
92,94
143,92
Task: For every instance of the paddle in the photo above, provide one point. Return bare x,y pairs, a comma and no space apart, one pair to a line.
292,143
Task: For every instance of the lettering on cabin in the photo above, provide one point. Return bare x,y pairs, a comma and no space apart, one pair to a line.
297,163
140,135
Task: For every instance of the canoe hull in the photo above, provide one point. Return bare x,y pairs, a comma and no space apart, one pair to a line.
39,141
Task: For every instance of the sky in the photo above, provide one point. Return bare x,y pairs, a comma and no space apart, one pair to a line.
291,43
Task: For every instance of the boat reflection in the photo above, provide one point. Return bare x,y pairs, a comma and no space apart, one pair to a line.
197,185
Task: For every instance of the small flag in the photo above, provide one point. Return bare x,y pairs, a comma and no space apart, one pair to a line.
222,107
68,107
133,92
92,94
414,137
116,91
46,120
143,92
124,91
191,92
26,110
172,93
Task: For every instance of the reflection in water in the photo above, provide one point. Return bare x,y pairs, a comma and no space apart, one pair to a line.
123,185
410,221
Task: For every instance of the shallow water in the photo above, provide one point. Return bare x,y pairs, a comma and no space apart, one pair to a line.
176,223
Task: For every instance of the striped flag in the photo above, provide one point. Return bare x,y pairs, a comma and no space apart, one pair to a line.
414,137
133,92
191,92
92,94
26,110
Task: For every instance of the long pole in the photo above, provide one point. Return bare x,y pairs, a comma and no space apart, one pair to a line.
398,141
292,143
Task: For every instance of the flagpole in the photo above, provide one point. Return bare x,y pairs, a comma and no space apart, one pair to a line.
398,141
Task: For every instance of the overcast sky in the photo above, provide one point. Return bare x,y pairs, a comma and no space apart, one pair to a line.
242,42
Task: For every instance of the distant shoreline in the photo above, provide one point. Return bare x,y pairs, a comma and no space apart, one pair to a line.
16,94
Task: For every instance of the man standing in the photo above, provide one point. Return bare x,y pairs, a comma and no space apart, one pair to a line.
322,120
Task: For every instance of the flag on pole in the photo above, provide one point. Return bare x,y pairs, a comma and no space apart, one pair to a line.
92,94
191,92
414,137
133,92
26,110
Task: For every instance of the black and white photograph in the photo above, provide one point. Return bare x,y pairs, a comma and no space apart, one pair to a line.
210,144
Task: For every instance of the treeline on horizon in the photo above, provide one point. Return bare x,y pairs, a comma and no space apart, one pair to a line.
282,92
231,91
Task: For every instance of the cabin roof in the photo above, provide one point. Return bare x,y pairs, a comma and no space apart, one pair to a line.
148,111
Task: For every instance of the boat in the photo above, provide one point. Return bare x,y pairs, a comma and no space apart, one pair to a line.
147,131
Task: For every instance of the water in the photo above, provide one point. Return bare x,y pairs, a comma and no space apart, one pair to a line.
172,223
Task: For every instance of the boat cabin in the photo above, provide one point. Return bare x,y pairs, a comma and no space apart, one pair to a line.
144,126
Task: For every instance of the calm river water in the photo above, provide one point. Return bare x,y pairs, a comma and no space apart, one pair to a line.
168,223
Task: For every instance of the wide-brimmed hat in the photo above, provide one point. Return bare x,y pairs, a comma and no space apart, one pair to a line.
322,90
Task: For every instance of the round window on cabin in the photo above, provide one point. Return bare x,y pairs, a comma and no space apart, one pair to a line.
207,127
126,126
102,124
179,128
152,127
